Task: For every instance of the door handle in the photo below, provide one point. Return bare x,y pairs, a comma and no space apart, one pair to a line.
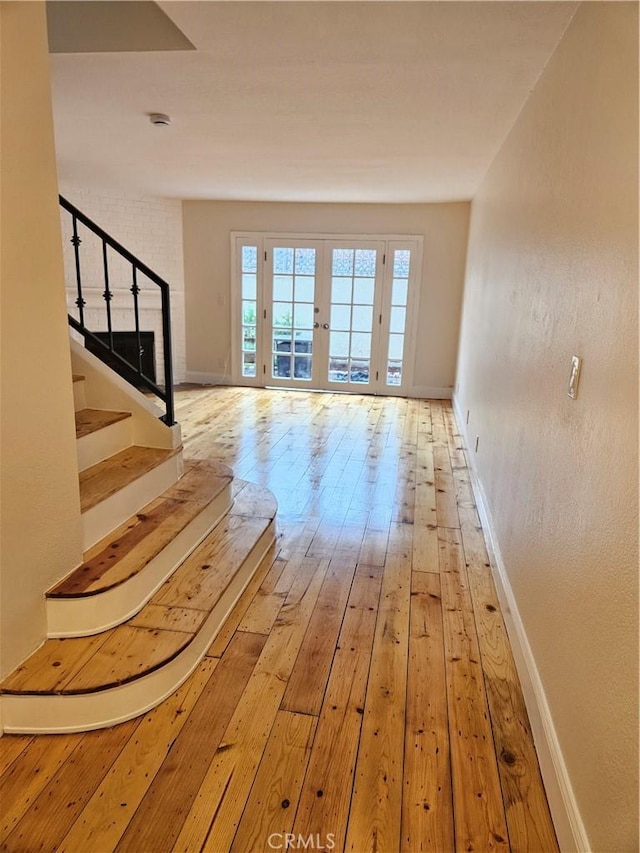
325,325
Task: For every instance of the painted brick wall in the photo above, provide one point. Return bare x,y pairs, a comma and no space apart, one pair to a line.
150,228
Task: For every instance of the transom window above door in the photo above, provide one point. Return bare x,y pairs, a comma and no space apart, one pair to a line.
321,313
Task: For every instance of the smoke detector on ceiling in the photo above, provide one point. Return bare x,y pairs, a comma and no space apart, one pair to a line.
159,119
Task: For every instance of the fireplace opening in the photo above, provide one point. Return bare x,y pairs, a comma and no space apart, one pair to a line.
125,344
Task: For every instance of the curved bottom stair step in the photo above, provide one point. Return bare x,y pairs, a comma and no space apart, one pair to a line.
122,571
87,683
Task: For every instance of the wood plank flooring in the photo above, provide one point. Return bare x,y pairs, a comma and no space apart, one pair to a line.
362,693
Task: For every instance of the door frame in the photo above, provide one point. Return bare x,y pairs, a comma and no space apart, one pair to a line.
258,239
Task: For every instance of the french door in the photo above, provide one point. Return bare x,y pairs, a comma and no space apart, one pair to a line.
328,314
293,292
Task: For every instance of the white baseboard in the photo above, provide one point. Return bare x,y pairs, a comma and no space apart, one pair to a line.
420,392
570,829
430,392
198,378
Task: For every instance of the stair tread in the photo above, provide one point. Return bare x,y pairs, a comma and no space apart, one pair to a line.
100,481
157,633
91,420
130,547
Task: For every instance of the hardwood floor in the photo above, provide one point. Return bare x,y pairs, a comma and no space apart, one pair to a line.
361,696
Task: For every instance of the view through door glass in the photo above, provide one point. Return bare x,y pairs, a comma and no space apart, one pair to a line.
292,312
398,316
249,274
353,292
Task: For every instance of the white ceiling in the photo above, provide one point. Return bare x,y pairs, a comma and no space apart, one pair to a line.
307,101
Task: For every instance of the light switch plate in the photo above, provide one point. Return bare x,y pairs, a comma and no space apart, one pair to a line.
574,377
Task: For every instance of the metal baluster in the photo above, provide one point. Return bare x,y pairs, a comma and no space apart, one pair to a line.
168,362
75,241
136,290
108,295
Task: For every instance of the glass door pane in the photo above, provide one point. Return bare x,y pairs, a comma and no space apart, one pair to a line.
401,266
354,291
249,284
291,312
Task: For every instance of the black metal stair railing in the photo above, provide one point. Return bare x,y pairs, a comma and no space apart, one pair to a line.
133,373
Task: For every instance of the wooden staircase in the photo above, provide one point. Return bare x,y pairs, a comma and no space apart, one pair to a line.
169,548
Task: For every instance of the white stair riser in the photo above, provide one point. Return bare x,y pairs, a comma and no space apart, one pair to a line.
111,512
55,714
79,395
90,614
103,443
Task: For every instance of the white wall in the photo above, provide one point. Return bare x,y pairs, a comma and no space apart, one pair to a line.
552,272
150,228
207,229
40,539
